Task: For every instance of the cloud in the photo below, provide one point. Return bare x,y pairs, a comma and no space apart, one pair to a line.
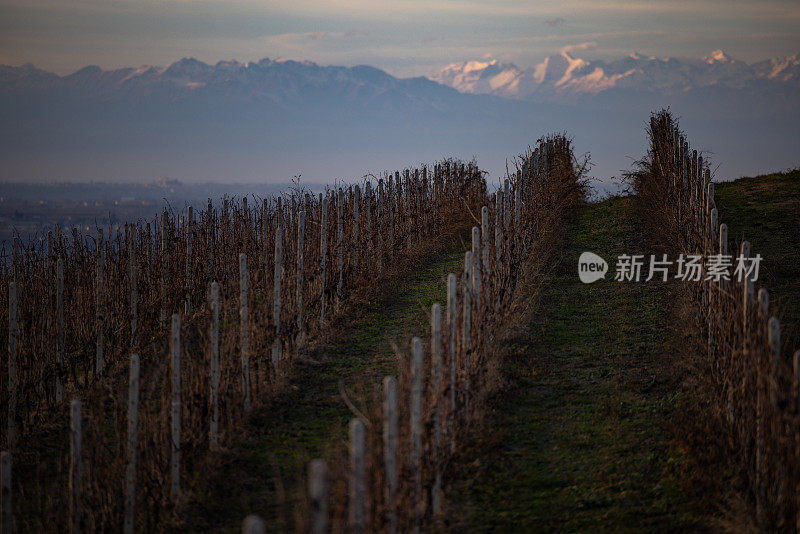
555,22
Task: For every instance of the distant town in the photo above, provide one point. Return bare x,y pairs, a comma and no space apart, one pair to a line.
28,211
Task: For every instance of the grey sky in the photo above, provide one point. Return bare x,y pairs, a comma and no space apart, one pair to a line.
404,37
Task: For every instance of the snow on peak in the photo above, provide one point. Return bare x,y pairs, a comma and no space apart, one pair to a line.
717,56
481,77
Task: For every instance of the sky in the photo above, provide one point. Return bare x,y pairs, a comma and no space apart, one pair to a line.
403,37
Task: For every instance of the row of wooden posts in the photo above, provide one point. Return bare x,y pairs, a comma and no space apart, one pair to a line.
387,206
760,385
486,282
407,210
459,343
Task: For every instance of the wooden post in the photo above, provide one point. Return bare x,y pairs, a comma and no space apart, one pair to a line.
380,207
392,210
356,201
368,214
244,330
213,431
749,296
134,283
189,238
451,353
60,323
498,226
318,495
100,301
723,239
416,427
323,253
774,340
175,349
390,450
358,478
436,364
301,230
276,300
485,239
5,480
13,347
468,267
340,243
133,426
517,207
164,247
475,269
75,466
506,205
253,524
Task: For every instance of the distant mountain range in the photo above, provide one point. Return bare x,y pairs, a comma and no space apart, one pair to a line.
278,83
270,120
564,75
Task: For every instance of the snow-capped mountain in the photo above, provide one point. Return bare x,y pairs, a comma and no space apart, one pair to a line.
283,83
567,75
277,118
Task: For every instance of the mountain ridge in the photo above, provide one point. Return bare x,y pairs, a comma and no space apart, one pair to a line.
565,75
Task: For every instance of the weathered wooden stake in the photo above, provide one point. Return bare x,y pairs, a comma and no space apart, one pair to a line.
276,300
60,323
134,289
356,201
175,349
469,267
368,214
13,347
318,495
189,239
723,239
357,516
253,524
133,428
5,481
451,353
244,330
340,243
485,239
323,253
498,227
213,431
75,466
164,249
301,230
436,364
416,427
390,449
100,301
476,269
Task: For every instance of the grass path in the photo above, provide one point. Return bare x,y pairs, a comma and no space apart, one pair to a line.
581,440
265,473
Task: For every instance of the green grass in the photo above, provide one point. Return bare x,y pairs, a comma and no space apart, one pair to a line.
765,210
264,473
583,434
581,439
